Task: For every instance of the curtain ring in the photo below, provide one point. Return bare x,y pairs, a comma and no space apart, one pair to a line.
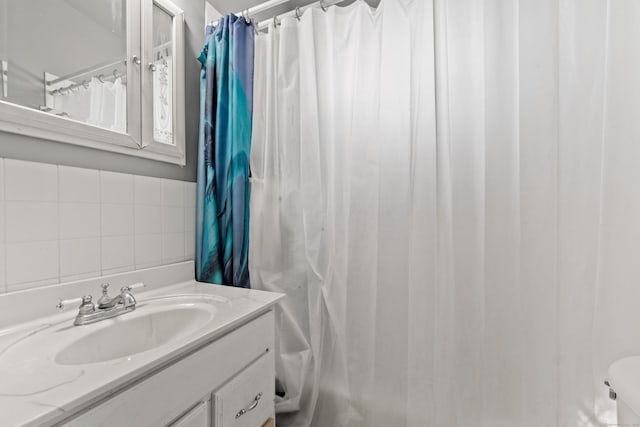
255,26
85,84
100,77
275,21
245,15
298,14
115,74
322,6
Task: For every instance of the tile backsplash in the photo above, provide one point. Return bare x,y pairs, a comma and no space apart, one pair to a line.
60,223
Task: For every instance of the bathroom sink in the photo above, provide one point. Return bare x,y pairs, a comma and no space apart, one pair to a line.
144,329
60,353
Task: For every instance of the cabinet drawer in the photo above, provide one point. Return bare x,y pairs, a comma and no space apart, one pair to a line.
247,400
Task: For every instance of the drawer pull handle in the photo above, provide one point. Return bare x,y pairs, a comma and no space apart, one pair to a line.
251,407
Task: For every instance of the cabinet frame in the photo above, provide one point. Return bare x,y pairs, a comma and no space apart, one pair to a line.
147,141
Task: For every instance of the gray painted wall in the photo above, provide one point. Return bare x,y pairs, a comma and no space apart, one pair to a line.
39,150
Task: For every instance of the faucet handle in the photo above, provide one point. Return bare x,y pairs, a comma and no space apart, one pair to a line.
87,305
84,302
128,300
129,288
105,298
63,303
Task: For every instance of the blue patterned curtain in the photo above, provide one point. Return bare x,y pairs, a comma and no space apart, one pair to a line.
226,101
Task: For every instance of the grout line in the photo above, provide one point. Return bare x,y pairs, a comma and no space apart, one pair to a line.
30,242
133,214
21,286
162,214
59,223
100,219
185,189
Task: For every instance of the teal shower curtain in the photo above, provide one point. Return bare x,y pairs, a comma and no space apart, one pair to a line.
226,100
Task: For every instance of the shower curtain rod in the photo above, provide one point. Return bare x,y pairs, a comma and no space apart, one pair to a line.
297,12
270,4
89,70
261,7
257,9
85,83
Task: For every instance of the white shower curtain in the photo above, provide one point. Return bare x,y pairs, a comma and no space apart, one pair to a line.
478,272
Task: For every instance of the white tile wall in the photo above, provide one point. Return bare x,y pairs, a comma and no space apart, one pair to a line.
79,257
190,221
36,182
59,223
148,221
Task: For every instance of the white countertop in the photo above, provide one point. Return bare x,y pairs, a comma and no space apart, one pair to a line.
35,390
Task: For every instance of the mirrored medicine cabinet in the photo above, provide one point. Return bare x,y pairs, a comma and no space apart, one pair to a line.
107,74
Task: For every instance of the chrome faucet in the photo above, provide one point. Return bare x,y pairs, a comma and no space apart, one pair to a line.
107,307
125,298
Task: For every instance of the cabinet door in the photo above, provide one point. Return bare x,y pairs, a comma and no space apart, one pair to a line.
200,416
163,78
247,400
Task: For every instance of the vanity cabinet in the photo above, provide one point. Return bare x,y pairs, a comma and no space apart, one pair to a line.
229,382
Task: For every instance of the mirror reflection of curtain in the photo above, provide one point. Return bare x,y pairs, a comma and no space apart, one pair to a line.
99,103
79,35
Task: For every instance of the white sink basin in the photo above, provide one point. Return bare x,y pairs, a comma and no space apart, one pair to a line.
59,352
134,333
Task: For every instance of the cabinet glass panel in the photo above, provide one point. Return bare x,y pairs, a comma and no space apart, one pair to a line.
163,78
66,57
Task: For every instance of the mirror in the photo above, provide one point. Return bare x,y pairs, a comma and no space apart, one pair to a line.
106,74
66,58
